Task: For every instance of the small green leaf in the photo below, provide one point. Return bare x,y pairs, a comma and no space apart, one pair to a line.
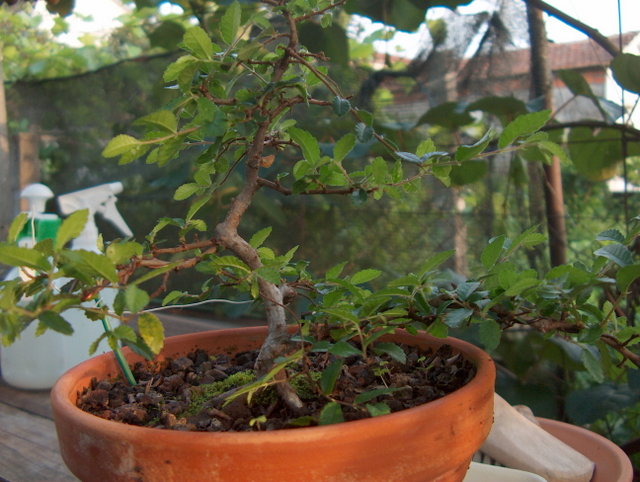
593,365
435,261
269,274
455,318
490,334
627,275
135,298
610,235
162,119
464,153
119,145
617,253
492,252
120,253
391,349
626,71
378,409
230,22
364,133
308,144
467,288
14,256
336,270
365,276
344,349
198,42
258,238
151,331
71,227
376,392
409,157
53,320
340,106
522,126
330,376
92,264
343,147
16,227
331,413
185,191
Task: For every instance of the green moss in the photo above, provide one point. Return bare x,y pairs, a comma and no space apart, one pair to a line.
299,382
206,392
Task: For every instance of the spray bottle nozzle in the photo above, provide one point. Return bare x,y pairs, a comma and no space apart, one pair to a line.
98,199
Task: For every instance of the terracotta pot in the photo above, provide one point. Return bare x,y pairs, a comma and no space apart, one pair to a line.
433,442
612,464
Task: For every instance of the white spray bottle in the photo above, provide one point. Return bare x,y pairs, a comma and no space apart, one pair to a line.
37,362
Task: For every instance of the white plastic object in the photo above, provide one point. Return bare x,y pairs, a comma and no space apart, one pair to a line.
37,194
492,473
36,362
98,200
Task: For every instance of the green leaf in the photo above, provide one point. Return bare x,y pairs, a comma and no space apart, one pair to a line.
467,288
365,276
119,145
520,286
553,149
186,190
627,275
340,106
364,133
343,147
409,157
135,298
522,126
122,252
308,144
391,349
617,253
492,252
329,377
344,349
593,365
611,235
435,261
378,409
258,238
53,320
15,256
71,227
626,71
331,413
198,42
230,22
455,318
16,227
376,392
269,274
92,264
162,119
464,153
336,270
439,329
490,333
151,331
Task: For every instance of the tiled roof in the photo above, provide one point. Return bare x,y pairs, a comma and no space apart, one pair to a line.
573,55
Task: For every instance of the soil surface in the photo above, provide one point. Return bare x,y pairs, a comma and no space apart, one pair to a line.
185,393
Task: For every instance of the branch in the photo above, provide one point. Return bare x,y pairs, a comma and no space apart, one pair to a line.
594,124
590,32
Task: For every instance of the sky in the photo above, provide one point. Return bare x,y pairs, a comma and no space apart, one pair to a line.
600,14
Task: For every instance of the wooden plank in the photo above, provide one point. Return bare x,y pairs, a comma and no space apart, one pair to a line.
31,401
29,448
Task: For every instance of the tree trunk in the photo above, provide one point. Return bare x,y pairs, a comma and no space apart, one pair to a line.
8,174
542,86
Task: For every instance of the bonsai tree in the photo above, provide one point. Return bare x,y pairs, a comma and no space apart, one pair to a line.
238,96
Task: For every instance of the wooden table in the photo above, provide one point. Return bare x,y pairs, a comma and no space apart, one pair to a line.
28,445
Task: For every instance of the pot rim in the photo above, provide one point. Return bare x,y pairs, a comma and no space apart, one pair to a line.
64,394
